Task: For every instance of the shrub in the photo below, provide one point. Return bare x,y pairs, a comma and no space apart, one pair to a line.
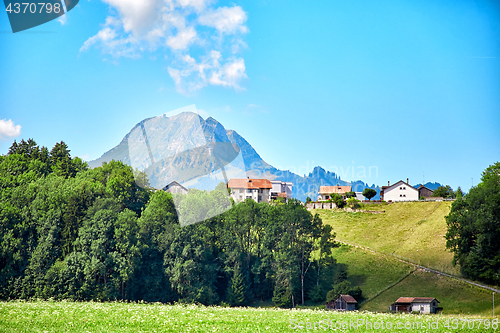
353,203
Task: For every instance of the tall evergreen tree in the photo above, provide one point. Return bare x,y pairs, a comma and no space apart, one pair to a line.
237,288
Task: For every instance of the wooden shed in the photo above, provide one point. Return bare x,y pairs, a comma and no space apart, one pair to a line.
343,303
424,192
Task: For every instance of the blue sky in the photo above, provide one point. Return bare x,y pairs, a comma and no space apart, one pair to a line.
410,88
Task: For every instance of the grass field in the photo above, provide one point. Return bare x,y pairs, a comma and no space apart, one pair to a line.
411,230
456,297
387,278
132,317
372,272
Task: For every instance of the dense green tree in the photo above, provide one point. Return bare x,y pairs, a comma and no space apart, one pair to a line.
337,199
491,172
70,232
61,162
369,193
341,286
444,192
474,230
283,290
158,228
350,194
237,289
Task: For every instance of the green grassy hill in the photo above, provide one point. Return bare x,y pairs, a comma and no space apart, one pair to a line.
456,297
384,279
371,271
403,229
413,231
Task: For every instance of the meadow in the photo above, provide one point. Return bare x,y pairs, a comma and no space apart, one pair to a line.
456,297
403,229
47,316
412,231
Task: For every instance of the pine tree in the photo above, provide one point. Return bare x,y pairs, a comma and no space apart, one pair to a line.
237,288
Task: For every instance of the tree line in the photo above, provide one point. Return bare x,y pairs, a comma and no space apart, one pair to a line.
70,232
474,229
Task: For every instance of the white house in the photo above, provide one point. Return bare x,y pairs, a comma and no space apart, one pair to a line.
401,191
417,304
360,196
281,190
175,187
257,189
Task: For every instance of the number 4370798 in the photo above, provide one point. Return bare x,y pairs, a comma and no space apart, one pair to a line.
33,7
471,323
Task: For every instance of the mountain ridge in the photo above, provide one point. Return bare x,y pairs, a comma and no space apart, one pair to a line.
185,130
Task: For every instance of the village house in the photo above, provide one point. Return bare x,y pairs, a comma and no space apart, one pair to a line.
401,191
281,190
424,192
416,304
257,189
326,191
343,303
175,188
359,196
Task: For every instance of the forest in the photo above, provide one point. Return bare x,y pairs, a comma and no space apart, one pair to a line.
71,232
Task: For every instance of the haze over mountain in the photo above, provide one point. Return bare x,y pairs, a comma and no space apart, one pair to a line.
182,148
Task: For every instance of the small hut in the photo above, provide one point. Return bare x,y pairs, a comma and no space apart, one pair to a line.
343,303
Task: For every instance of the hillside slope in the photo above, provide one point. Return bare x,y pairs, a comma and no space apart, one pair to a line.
384,278
413,231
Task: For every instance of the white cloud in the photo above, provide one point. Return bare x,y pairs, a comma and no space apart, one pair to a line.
212,69
183,38
8,129
199,5
228,20
192,34
230,74
137,17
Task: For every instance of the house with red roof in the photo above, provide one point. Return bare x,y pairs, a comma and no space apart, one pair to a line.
416,304
257,189
325,192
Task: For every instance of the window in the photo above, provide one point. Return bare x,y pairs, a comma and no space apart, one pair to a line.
404,195
400,195
400,187
249,191
404,187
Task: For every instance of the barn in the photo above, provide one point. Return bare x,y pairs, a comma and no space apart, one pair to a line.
424,192
343,303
